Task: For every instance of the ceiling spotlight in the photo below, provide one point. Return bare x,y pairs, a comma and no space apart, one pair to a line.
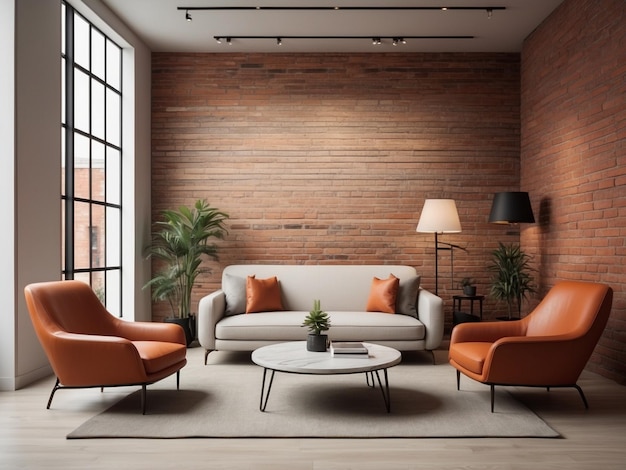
396,41
229,42
188,15
489,13
376,41
219,40
279,41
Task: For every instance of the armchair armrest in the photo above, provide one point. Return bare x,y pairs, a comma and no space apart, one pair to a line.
486,332
430,313
92,360
536,360
147,331
210,310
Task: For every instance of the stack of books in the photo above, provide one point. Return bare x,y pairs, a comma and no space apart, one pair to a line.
348,349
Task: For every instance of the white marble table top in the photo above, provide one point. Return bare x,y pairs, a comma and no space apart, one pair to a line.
294,357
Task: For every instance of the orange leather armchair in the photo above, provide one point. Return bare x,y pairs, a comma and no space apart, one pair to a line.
548,348
89,347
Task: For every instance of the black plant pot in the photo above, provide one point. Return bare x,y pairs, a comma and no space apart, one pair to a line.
470,291
187,324
316,343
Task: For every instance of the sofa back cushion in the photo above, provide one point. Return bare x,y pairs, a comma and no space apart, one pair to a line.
338,287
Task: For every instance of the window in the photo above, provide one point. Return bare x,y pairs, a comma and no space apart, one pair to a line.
91,191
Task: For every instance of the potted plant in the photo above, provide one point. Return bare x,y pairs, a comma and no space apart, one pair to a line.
467,284
317,321
511,276
179,242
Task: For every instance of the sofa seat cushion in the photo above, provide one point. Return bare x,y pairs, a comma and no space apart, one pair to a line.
345,326
158,355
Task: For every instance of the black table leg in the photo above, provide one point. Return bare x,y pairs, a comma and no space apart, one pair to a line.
266,394
385,390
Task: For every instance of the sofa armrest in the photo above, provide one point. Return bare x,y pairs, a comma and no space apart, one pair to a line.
210,310
430,313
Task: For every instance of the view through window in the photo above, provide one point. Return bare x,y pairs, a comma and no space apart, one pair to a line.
91,158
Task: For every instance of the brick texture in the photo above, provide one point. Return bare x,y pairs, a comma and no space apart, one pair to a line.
573,159
328,158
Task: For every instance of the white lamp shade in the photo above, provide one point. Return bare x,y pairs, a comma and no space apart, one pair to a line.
439,216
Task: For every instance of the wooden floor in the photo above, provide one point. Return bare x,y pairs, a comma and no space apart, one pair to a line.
33,437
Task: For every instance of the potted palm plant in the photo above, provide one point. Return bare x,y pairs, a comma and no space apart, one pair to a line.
179,243
511,279
317,321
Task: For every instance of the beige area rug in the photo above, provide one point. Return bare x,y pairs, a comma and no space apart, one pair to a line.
222,400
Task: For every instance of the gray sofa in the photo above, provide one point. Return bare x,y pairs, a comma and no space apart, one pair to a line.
343,291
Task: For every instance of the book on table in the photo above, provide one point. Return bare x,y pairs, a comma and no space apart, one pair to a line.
348,349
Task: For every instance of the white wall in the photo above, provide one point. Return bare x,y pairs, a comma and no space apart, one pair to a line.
7,199
30,182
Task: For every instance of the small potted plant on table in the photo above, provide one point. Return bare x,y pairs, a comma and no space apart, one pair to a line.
317,321
467,284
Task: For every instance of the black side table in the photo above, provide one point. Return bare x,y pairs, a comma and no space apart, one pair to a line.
457,300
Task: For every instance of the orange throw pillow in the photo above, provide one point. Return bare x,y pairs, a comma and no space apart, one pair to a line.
262,295
383,294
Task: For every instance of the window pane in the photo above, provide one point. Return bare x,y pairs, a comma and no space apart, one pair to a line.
81,166
62,28
97,171
63,91
82,235
98,285
113,292
63,150
113,176
81,101
97,109
97,53
97,234
81,41
114,221
114,60
113,118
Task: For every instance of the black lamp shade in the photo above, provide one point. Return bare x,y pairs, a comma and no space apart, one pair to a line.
511,208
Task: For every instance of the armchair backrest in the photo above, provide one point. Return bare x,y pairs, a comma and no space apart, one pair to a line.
70,306
573,308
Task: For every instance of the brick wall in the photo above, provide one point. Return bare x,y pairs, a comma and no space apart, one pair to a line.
328,158
573,156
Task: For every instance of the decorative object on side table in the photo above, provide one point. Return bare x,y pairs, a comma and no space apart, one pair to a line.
511,278
467,284
178,242
317,321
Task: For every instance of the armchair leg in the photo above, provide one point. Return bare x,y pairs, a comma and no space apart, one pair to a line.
178,380
54,389
458,380
143,399
582,395
493,394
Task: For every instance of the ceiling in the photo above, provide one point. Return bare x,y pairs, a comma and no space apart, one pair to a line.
163,26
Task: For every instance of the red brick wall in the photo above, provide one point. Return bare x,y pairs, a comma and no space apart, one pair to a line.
328,158
573,159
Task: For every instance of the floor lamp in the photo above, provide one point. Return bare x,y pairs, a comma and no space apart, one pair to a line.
439,216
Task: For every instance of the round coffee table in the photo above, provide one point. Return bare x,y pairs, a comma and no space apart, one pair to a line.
293,357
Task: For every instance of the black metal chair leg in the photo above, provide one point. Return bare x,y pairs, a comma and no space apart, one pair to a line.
458,380
143,399
493,395
582,395
54,389
178,380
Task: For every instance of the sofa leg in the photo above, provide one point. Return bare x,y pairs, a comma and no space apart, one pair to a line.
206,354
432,353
